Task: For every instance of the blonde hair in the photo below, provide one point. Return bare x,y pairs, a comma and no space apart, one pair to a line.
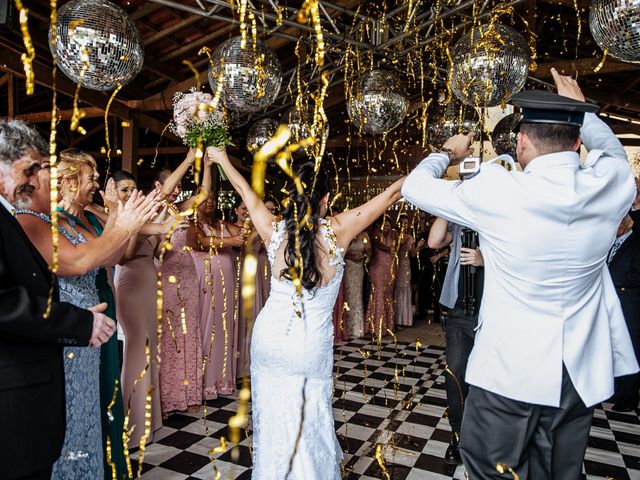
71,162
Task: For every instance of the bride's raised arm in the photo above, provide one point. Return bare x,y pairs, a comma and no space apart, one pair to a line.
347,225
261,217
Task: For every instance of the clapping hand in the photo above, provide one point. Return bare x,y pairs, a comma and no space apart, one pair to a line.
137,211
110,196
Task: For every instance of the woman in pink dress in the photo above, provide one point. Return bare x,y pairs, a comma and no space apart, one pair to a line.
216,268
404,315
380,311
136,295
181,339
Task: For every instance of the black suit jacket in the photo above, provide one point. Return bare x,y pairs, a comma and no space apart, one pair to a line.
32,399
625,273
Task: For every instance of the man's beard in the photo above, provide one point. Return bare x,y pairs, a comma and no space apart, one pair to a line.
23,202
24,197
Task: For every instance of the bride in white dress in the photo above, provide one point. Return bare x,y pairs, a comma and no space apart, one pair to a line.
291,348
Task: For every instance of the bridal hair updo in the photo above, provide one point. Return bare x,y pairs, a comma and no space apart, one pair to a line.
316,186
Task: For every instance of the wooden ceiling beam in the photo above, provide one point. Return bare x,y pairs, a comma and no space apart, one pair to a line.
164,99
146,9
165,32
582,4
45,117
202,41
584,66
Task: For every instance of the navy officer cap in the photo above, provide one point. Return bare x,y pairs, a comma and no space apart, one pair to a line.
541,106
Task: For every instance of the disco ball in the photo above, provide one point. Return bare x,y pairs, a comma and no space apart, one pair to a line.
251,76
448,120
615,26
503,138
489,65
260,133
300,122
108,35
378,103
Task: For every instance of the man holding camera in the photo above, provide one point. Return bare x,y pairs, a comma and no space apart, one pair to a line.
551,336
460,299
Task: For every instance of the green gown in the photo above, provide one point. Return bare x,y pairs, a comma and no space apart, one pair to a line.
112,425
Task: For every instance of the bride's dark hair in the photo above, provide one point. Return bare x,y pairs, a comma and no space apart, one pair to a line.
316,186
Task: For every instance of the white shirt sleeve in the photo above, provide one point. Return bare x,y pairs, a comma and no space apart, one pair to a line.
456,201
596,135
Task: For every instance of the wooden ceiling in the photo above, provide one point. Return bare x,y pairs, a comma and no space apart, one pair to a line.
175,30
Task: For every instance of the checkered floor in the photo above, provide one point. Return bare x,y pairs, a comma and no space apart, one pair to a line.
392,396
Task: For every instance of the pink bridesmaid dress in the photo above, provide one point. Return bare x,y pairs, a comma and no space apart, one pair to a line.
217,289
181,342
136,294
404,315
380,312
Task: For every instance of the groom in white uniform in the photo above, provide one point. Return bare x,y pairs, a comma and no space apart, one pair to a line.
551,334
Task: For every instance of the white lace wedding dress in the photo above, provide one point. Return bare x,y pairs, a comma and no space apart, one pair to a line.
291,370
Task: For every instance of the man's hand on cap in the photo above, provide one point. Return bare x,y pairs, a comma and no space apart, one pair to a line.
567,86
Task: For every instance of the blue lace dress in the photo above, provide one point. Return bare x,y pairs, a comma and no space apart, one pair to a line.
81,456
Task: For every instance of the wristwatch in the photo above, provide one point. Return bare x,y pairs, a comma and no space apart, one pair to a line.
448,152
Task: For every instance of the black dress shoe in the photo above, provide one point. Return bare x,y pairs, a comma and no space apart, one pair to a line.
624,406
452,455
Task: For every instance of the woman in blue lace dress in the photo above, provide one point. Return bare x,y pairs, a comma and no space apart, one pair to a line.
291,347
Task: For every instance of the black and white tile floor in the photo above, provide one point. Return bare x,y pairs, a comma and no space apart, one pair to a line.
393,396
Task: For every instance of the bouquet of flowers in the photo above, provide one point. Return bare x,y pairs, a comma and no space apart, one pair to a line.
194,116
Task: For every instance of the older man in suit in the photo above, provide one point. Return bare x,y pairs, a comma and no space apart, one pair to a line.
34,325
551,336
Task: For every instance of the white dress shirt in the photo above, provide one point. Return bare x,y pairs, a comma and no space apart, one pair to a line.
5,203
548,297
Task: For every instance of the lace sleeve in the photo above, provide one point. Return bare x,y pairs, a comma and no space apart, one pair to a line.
276,240
336,253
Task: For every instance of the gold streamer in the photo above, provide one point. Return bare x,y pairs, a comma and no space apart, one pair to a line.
29,56
53,158
147,428
84,58
502,468
380,459
604,57
106,126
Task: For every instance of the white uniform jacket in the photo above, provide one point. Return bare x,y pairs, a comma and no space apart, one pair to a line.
548,297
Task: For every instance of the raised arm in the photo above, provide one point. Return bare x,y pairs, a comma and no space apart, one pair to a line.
260,215
102,251
595,134
456,201
439,235
205,187
175,178
347,225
